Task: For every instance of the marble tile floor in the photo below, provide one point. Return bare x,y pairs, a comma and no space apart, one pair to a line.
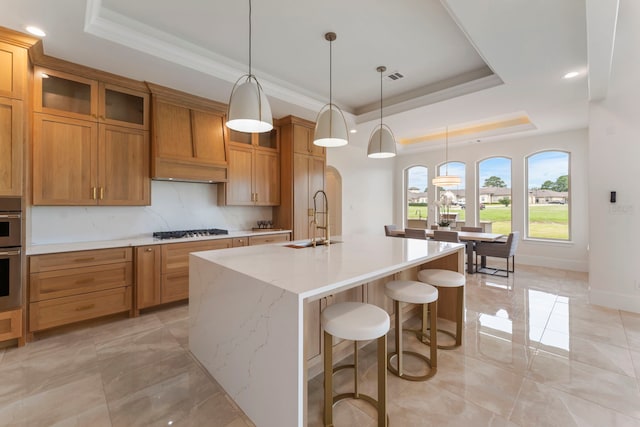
535,353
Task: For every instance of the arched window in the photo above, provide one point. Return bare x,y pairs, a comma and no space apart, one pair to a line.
416,202
494,193
548,197
452,198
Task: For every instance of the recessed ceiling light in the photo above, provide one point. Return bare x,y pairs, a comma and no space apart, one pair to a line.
571,75
36,31
353,131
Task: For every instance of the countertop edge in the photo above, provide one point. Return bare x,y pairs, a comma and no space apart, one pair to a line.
50,248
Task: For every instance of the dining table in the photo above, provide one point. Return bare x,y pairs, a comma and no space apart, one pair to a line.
468,237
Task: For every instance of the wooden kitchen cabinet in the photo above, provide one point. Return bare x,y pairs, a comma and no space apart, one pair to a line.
254,170
11,325
175,266
11,146
78,162
70,287
302,174
188,137
13,67
148,276
85,98
90,142
269,238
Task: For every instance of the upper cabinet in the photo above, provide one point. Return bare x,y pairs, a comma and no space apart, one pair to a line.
68,95
13,71
90,142
14,120
254,170
188,135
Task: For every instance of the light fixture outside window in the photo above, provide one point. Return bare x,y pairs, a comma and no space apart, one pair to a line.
382,143
249,109
331,127
446,180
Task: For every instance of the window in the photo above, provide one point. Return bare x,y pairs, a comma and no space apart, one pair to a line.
494,193
456,194
417,179
548,195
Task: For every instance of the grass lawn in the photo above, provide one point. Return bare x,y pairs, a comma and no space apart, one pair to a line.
547,221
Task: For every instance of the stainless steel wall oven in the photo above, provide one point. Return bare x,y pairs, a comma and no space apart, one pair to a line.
10,252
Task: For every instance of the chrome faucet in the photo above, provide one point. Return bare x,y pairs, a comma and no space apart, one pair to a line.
325,223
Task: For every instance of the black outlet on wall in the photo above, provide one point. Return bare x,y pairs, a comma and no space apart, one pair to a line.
612,197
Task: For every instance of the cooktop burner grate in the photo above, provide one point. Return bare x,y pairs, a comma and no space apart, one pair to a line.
162,235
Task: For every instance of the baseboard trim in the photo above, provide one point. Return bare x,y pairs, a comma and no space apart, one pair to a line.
617,301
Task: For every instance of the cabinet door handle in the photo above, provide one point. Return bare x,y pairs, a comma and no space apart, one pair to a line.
148,250
101,193
94,193
85,307
10,216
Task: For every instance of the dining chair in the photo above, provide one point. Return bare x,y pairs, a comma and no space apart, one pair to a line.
473,229
498,250
389,228
446,236
415,233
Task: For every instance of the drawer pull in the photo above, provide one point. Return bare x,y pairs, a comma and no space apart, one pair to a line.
85,281
84,259
85,307
148,250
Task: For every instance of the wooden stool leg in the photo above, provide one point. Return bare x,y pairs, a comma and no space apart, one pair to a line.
398,336
382,379
328,379
433,333
459,315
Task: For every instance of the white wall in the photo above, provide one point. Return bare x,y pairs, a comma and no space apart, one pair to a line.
567,255
367,189
175,206
614,149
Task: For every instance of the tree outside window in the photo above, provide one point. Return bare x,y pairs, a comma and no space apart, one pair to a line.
548,195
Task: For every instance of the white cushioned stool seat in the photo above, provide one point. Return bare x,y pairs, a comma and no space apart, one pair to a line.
355,321
411,291
447,279
444,278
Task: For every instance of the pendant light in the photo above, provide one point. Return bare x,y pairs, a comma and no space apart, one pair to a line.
249,109
446,180
382,143
331,127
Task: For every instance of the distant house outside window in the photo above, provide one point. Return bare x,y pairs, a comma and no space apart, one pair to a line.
548,190
494,193
455,211
416,201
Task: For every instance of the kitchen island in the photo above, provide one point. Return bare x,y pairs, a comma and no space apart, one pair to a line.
247,311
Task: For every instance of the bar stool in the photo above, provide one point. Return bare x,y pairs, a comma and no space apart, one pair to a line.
355,321
447,279
413,292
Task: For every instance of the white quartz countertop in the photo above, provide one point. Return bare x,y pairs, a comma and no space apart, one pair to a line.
137,241
316,272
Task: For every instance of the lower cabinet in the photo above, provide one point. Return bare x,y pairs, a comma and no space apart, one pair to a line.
70,287
11,325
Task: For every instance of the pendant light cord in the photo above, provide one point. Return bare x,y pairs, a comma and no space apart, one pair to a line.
381,101
330,72
446,152
249,37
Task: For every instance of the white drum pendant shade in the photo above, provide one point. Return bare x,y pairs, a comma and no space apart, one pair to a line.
331,128
382,144
249,109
